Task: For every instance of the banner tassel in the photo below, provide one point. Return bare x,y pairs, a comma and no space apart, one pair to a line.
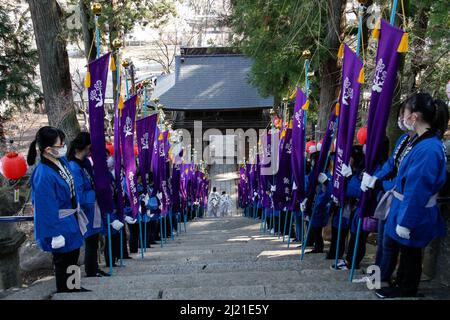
306,105
112,64
87,79
361,76
403,46
341,51
376,31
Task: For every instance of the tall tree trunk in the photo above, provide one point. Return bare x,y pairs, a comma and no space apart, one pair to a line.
88,31
329,72
54,66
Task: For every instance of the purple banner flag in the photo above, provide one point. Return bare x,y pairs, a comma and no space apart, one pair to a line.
176,187
282,196
298,147
118,166
127,124
387,63
96,93
145,135
349,101
266,180
319,166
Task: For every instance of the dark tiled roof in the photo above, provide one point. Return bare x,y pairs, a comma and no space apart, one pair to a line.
210,82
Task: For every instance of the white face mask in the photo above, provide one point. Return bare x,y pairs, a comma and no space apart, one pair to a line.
110,162
61,152
401,124
409,127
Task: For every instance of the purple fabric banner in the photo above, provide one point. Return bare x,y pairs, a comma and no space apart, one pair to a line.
243,187
155,160
319,166
266,180
118,166
387,63
298,147
145,135
283,194
162,174
349,101
127,124
96,93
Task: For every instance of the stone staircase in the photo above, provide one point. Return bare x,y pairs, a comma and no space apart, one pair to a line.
221,258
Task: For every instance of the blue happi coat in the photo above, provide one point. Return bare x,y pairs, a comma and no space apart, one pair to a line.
388,167
322,205
86,194
421,175
352,192
51,193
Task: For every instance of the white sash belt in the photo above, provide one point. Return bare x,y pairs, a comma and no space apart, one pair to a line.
82,219
431,202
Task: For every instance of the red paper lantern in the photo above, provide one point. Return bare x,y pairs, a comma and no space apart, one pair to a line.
277,122
362,135
309,144
110,148
136,150
13,166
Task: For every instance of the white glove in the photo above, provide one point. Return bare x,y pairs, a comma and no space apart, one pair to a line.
117,225
146,198
368,182
322,177
149,213
294,186
255,193
130,220
273,188
402,232
58,242
346,171
303,204
335,200
159,195
306,218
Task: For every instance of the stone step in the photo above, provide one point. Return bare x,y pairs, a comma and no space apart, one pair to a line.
142,266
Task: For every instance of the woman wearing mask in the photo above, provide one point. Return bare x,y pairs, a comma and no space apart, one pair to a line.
79,150
59,224
385,182
414,219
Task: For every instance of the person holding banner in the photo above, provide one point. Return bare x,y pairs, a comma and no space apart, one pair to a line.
59,224
385,182
79,150
352,195
414,218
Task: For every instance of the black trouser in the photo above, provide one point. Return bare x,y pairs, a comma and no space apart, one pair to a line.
124,243
409,270
115,248
90,255
361,251
318,239
61,262
134,237
334,236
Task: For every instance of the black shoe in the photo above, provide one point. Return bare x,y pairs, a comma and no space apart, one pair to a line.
388,293
102,273
74,290
82,290
127,257
315,251
152,242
